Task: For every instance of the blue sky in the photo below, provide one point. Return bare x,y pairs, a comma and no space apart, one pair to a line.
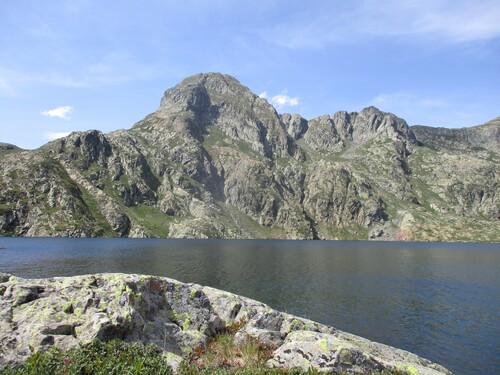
88,64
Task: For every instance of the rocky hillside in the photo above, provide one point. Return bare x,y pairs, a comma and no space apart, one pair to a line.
179,318
217,161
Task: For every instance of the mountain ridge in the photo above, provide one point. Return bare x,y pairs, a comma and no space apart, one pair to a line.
215,160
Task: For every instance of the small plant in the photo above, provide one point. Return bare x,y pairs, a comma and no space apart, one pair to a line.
224,344
111,358
221,351
224,354
250,351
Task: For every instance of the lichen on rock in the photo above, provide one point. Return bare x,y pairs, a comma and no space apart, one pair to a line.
178,318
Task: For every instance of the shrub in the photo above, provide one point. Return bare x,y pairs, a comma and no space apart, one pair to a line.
110,358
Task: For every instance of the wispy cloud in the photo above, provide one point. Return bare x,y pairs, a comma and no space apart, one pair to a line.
4,86
55,135
60,112
404,100
421,109
12,81
453,21
114,68
75,6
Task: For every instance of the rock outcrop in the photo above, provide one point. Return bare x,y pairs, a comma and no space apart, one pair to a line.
486,136
217,161
178,318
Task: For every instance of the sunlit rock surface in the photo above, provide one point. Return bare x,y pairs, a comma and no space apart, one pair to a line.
177,317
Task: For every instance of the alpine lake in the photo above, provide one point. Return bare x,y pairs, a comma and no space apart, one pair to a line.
438,300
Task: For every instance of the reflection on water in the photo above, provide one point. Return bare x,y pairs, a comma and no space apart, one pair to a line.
438,300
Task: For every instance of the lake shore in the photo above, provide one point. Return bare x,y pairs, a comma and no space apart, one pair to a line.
178,318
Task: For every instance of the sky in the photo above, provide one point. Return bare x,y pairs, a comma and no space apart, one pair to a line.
76,65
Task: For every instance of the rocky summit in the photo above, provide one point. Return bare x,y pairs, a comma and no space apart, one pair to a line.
178,318
217,161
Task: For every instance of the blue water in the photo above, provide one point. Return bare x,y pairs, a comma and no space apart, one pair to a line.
440,301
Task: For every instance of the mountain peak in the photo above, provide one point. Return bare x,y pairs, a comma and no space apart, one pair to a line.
201,90
206,100
210,77
371,109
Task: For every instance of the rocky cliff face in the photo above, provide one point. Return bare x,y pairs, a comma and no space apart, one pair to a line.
178,318
215,160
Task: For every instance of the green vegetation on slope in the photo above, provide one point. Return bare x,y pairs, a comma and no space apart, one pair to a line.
222,356
103,227
97,358
156,222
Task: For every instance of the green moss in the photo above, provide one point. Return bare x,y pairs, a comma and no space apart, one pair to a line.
173,316
297,325
187,322
323,344
118,293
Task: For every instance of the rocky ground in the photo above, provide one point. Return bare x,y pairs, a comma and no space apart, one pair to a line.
217,161
178,318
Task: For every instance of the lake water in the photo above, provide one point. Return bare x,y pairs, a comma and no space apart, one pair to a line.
441,301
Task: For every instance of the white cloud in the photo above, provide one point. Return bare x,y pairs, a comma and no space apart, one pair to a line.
55,135
281,100
60,112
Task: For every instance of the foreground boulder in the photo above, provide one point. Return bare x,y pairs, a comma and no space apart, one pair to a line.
178,318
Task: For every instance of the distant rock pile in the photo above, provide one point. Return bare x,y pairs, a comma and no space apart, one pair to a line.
177,317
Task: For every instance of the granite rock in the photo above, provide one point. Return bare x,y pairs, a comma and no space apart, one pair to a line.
178,318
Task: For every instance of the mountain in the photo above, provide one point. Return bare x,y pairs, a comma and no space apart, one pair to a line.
217,161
